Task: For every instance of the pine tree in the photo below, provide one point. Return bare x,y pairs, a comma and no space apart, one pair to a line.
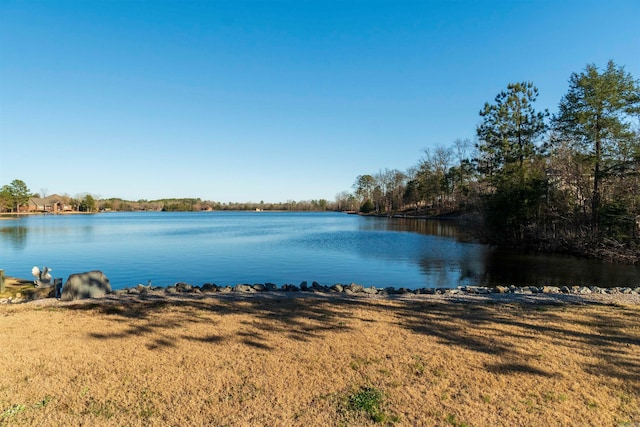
594,116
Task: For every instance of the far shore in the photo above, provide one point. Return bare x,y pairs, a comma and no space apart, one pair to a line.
19,214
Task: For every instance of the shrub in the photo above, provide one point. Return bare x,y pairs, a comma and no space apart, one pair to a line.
367,207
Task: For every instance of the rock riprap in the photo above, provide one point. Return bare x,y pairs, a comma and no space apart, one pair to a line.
95,284
92,284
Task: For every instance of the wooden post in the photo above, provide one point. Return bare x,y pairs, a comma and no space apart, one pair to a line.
57,285
1,281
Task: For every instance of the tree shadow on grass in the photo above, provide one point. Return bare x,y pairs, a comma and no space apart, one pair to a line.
520,368
477,326
452,324
607,332
300,319
210,339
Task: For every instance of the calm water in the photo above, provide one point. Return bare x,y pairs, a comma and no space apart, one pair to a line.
257,247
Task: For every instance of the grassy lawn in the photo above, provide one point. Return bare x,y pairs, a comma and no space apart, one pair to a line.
282,361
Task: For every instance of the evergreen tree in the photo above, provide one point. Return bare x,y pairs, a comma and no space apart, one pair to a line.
509,131
594,117
20,193
6,198
508,151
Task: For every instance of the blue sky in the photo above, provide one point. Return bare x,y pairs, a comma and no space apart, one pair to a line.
262,100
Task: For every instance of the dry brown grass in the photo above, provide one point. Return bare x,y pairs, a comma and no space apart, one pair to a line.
271,360
22,287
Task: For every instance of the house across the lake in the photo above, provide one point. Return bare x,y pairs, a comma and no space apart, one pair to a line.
51,204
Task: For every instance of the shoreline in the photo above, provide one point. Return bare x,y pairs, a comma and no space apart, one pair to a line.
24,291
16,215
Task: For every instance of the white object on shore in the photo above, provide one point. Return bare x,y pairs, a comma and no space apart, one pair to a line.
43,278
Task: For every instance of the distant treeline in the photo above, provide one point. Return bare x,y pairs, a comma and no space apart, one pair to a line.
194,205
16,196
567,182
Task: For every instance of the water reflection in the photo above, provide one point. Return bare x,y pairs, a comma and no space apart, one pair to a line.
45,227
16,236
455,260
421,226
524,269
445,256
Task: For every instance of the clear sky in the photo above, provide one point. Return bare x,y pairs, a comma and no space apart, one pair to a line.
238,101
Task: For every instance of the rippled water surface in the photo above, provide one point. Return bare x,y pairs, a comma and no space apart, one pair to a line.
257,247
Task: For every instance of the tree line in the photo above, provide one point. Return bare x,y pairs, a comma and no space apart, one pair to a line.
567,182
197,204
15,195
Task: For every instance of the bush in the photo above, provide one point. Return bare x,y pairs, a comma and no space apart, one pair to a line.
367,207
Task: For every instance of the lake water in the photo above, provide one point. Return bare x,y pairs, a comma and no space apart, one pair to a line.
227,248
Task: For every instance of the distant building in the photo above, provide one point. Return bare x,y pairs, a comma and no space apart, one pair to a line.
38,204
51,204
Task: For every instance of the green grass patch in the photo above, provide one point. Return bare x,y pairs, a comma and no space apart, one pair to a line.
96,408
369,400
453,420
44,402
359,362
418,366
12,411
18,408
552,396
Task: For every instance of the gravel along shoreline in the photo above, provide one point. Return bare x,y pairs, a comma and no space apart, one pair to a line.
468,294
